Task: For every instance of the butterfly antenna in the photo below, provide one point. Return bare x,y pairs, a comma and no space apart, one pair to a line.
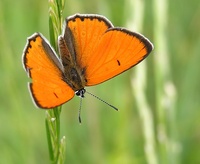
102,100
79,111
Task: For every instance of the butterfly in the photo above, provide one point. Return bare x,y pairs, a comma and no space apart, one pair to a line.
91,51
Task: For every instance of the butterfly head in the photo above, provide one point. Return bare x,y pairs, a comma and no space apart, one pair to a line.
80,93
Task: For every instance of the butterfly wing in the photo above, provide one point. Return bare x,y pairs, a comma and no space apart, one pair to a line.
87,31
118,50
40,62
104,51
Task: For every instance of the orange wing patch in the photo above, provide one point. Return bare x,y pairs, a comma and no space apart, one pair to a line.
47,88
87,31
117,51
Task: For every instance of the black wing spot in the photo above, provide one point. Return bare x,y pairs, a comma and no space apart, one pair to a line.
30,46
118,62
33,39
55,95
82,18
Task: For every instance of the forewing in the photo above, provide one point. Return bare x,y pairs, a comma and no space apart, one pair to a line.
40,62
118,50
85,33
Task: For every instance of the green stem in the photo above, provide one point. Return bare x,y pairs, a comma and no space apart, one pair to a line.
139,83
165,89
55,144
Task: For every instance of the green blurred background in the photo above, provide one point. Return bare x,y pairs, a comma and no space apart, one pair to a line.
172,90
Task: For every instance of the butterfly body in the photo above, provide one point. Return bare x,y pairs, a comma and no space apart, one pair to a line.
73,74
91,51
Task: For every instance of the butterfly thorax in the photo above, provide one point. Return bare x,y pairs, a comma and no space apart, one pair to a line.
73,75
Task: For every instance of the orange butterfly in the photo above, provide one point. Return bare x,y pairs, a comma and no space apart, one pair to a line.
91,52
